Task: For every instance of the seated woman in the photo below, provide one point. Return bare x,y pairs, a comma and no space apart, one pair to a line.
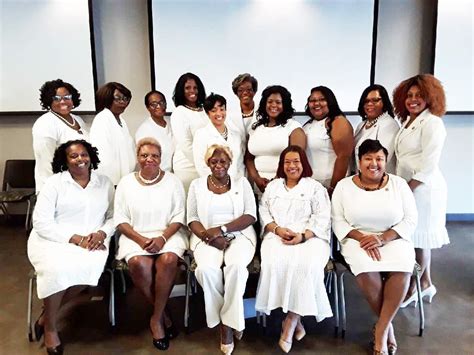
218,131
374,216
149,212
72,224
295,212
220,213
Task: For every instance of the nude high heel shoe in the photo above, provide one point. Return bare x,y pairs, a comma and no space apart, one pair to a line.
412,298
300,332
227,348
429,293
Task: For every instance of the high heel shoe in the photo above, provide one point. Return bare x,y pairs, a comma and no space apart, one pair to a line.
284,344
300,332
392,348
238,334
171,332
227,348
38,329
379,352
55,350
161,344
429,293
412,298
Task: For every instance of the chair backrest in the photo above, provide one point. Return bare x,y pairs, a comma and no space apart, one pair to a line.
19,174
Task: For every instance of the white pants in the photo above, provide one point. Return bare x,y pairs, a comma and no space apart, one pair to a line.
224,289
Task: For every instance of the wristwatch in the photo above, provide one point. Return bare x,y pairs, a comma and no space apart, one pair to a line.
223,229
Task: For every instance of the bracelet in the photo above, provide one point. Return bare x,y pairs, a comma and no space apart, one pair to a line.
274,229
380,239
82,239
160,236
303,238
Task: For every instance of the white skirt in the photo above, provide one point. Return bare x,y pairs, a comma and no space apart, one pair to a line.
397,255
59,266
177,244
292,277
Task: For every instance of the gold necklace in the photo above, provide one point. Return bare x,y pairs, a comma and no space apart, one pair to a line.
219,186
371,123
193,108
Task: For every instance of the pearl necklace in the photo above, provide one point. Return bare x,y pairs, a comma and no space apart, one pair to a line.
193,108
149,182
219,186
247,115
372,188
72,125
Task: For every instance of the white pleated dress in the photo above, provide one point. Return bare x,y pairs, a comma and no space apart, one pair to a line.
292,276
150,210
63,209
418,149
374,212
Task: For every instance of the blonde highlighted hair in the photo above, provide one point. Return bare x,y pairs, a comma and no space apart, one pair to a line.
148,141
217,148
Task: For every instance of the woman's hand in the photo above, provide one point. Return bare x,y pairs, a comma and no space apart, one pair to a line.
297,238
95,241
261,183
413,184
153,245
370,241
286,234
219,242
374,254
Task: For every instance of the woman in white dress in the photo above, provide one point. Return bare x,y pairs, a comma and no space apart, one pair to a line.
72,225
55,127
330,138
149,213
218,131
158,126
220,213
377,123
374,216
295,213
244,87
420,102
274,130
188,116
110,134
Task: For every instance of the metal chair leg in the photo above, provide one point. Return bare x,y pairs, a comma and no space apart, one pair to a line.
336,302
420,302
30,306
186,303
122,279
27,214
343,304
111,297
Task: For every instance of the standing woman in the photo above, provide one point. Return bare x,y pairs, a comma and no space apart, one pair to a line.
56,126
158,126
72,225
420,102
295,213
110,134
218,131
244,87
378,123
220,212
330,138
189,95
274,130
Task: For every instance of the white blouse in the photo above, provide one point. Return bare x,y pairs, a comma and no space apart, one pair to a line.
163,135
392,207
384,131
305,206
49,132
266,145
184,123
115,145
209,135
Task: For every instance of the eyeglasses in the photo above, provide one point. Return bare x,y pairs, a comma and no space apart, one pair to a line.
317,101
121,99
243,90
374,100
156,104
59,98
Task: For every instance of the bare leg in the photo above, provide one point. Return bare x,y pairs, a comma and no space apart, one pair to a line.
72,292
425,258
51,309
289,325
395,288
227,336
166,266
141,271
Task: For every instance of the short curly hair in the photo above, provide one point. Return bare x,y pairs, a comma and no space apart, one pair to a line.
60,156
178,93
431,90
242,78
217,148
284,116
211,100
48,90
148,141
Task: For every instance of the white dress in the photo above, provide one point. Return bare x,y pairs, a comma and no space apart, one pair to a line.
384,131
150,210
418,149
115,145
63,209
223,287
374,212
163,135
266,144
184,123
320,151
49,132
292,276
209,135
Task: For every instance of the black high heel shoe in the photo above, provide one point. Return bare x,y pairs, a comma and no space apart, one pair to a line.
161,344
55,350
171,332
38,329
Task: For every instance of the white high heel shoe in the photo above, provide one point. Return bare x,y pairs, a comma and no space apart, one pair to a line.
412,298
429,293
